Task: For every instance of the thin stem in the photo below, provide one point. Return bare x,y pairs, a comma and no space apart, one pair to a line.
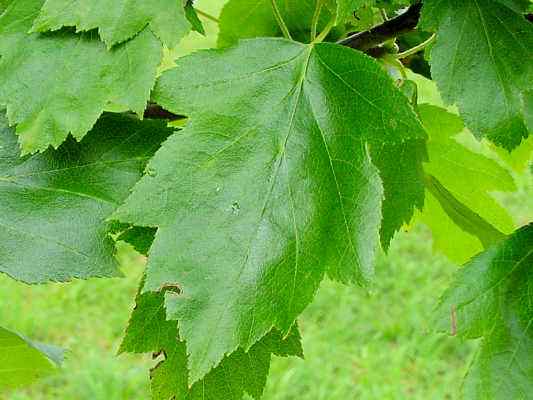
417,48
280,20
207,16
316,17
320,38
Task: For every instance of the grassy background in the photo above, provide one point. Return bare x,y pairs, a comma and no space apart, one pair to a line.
358,344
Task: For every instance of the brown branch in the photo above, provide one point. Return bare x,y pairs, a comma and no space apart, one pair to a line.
390,29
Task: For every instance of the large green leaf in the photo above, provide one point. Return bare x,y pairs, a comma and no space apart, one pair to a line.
240,372
268,188
492,298
459,203
23,361
54,206
482,62
117,20
56,84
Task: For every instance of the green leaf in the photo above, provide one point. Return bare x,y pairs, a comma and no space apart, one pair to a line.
54,206
22,361
57,84
240,372
268,188
465,179
345,8
491,298
482,62
117,20
241,19
402,173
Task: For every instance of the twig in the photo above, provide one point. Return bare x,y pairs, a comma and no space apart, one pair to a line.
207,16
417,48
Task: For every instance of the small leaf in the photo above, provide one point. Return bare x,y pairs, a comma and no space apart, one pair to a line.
464,180
22,361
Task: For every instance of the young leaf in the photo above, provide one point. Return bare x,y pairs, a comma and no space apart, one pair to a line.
150,331
54,206
491,298
482,62
465,180
268,188
60,83
23,361
117,20
241,19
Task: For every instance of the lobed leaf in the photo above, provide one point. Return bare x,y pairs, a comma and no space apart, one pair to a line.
54,206
60,83
240,372
482,62
491,298
267,189
117,20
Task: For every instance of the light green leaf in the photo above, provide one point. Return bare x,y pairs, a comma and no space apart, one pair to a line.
345,8
57,84
268,188
22,361
491,298
482,62
117,20
54,206
240,372
469,178
242,19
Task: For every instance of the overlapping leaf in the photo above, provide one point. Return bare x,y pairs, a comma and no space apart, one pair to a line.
117,20
492,298
239,373
23,361
459,203
56,84
482,61
254,18
268,188
54,206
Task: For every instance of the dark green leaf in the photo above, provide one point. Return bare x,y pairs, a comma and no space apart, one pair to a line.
482,62
268,188
54,206
240,372
491,298
56,84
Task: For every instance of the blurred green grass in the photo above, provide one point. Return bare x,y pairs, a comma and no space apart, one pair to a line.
358,345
